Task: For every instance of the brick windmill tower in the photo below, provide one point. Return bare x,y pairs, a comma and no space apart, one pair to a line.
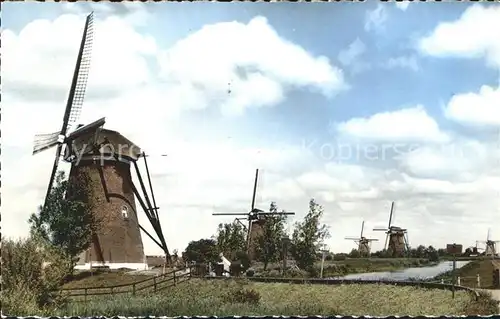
256,219
364,244
397,237
100,160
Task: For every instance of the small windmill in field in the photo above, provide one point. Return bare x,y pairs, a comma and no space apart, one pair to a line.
256,219
100,162
396,240
364,244
491,245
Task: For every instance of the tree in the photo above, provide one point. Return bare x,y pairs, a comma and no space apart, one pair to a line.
201,251
432,254
32,274
269,244
308,235
354,253
65,221
230,239
419,252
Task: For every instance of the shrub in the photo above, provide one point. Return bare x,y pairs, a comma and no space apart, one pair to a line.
250,273
274,273
339,257
32,274
485,305
244,259
295,273
244,295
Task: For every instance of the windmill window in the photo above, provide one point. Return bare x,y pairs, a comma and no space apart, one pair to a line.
125,212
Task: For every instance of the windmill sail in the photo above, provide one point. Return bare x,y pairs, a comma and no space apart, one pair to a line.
254,214
74,102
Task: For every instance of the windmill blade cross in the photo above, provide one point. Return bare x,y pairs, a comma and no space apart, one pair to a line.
255,189
249,228
73,103
45,141
275,213
391,215
80,76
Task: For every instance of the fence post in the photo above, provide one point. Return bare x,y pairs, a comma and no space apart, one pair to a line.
174,278
154,283
133,289
112,291
85,295
478,281
458,281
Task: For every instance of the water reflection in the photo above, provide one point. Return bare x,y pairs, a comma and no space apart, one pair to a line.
405,274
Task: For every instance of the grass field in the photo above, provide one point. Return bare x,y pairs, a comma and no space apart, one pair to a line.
230,297
469,272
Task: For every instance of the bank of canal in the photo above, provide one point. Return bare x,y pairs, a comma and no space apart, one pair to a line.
423,273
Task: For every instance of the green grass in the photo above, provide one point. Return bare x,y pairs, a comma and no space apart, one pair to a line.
468,273
230,297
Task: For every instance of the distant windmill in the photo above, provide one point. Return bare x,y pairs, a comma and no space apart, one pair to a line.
397,237
364,244
256,219
490,245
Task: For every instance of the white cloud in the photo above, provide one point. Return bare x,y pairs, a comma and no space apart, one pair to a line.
458,160
409,62
402,5
410,124
473,35
254,58
204,171
351,56
376,18
477,109
352,52
124,86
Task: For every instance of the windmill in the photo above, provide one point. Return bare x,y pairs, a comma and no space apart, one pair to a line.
105,175
490,249
364,244
397,237
256,219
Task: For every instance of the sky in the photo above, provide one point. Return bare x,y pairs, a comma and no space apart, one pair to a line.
354,105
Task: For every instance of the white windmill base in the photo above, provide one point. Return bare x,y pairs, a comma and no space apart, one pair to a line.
132,266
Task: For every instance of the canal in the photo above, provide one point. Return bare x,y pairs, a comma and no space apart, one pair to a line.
408,273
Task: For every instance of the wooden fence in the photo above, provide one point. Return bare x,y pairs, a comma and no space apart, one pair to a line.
152,284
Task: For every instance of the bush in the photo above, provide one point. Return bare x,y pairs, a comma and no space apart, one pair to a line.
295,273
32,274
485,305
245,295
244,260
250,273
339,257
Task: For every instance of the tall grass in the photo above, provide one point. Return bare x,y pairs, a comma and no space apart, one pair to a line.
27,286
230,297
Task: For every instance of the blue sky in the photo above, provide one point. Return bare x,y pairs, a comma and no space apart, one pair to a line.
326,29
379,53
